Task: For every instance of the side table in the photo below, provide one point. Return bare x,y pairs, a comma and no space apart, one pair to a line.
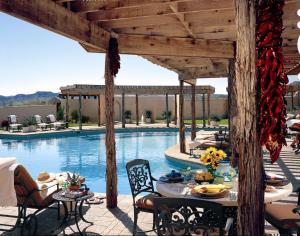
75,211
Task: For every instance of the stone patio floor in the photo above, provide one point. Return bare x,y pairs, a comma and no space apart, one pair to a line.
119,221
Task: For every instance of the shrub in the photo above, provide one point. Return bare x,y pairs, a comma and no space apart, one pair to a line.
127,114
225,116
29,121
165,115
148,114
4,124
85,119
75,115
60,114
215,118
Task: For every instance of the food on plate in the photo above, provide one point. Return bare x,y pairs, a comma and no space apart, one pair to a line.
270,189
212,188
174,174
203,176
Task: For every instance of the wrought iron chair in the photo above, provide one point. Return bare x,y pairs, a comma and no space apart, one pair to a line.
141,182
284,217
29,196
182,216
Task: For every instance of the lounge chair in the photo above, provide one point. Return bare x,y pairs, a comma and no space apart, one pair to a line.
29,196
40,123
54,123
13,123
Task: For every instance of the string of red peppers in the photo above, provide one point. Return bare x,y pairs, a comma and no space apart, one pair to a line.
113,54
271,76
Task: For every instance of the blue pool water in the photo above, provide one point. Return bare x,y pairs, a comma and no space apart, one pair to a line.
85,154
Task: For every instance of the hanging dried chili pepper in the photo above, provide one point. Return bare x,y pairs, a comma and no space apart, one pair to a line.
272,79
113,53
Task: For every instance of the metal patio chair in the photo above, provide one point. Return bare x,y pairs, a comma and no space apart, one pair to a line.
141,182
183,216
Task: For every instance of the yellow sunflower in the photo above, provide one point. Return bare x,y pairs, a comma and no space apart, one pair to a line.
211,151
220,155
214,165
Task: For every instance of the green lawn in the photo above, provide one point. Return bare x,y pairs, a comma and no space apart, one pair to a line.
83,124
222,122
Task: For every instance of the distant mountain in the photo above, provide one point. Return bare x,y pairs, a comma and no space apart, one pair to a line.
40,97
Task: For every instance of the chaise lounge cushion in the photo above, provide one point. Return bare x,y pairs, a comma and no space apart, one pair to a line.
146,202
282,216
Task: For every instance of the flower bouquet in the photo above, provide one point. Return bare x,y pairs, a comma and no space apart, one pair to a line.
211,159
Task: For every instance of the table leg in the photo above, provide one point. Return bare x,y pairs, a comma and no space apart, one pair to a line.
76,220
81,215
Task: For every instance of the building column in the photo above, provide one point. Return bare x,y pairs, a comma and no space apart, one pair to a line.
193,109
80,112
208,109
167,110
137,109
123,110
67,108
99,110
175,110
181,119
203,110
251,181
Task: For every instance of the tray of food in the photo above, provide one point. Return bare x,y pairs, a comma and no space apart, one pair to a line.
210,191
276,180
201,177
172,177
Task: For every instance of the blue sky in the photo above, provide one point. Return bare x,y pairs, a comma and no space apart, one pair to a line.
34,59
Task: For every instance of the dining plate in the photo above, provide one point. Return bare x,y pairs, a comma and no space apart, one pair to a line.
221,193
171,180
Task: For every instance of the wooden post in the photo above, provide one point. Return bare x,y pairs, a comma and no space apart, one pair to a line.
67,108
137,109
167,110
123,110
208,109
232,109
193,109
99,111
292,94
203,110
251,186
181,118
175,110
80,112
298,96
111,166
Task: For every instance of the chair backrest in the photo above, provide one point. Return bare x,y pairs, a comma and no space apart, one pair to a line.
12,119
51,118
38,119
26,188
182,216
139,176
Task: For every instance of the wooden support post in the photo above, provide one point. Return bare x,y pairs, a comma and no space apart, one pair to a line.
111,166
167,110
123,110
67,108
99,111
175,110
292,94
137,109
251,182
193,109
208,109
80,112
181,119
298,96
203,110
232,110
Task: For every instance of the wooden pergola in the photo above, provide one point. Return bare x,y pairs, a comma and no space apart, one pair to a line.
86,91
196,39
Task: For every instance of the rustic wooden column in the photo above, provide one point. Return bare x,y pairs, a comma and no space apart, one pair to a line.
181,118
208,109
175,110
251,189
99,110
111,166
203,110
67,108
193,109
123,110
232,110
292,94
137,109
80,112
167,110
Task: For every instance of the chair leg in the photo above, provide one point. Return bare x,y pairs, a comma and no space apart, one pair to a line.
135,221
284,232
153,224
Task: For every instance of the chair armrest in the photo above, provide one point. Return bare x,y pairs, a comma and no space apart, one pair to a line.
154,179
296,210
50,186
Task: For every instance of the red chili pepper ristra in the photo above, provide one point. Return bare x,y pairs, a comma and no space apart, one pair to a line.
271,76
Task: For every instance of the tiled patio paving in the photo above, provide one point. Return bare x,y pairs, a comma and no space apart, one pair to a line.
119,221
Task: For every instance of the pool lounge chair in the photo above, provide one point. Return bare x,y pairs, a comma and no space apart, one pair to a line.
40,123
29,196
13,123
54,123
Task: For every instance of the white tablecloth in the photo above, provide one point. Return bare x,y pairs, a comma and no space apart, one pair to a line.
182,190
7,189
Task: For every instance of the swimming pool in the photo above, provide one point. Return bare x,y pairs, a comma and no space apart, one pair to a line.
85,154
